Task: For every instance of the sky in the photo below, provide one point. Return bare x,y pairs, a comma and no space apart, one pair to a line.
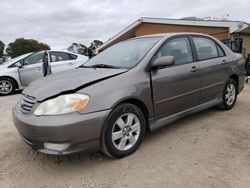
62,22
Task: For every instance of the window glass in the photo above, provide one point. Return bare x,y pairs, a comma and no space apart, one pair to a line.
221,53
179,48
59,56
72,56
206,48
125,54
34,58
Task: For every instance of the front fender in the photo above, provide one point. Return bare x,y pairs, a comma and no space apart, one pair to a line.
109,93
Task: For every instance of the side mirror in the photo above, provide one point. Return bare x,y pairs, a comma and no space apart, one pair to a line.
164,61
19,64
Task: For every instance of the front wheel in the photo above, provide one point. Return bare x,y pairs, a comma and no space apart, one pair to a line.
7,86
229,95
123,131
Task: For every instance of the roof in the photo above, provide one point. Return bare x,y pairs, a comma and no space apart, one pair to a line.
128,32
170,34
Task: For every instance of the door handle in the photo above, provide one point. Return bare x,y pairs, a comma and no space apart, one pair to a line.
224,62
38,69
70,64
194,69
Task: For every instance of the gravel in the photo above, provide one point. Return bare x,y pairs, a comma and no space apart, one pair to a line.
208,149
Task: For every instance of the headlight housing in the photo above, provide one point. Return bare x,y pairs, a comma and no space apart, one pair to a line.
62,105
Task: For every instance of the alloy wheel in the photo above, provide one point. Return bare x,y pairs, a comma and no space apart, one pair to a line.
230,94
5,87
126,131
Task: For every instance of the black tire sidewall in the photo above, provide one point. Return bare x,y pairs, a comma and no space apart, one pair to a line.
110,121
225,105
12,83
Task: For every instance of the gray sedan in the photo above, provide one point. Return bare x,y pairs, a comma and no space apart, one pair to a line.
133,87
18,73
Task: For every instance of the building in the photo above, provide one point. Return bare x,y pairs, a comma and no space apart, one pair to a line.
235,34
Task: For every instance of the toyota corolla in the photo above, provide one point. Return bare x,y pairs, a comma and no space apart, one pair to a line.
133,87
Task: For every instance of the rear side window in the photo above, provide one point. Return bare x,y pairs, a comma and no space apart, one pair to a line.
220,51
72,56
206,48
59,56
179,48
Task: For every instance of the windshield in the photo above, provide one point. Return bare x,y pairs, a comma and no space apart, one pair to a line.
126,54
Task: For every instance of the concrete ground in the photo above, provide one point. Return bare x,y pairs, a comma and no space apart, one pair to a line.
208,149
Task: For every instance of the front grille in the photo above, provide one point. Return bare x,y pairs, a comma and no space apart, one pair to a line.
27,103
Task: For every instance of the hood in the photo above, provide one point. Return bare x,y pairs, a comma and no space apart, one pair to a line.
5,65
68,81
2,66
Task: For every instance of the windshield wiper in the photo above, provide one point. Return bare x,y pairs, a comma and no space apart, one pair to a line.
104,66
85,66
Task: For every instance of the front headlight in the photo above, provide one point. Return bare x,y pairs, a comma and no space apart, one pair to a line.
62,105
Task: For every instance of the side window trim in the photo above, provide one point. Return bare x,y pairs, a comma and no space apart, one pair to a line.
194,51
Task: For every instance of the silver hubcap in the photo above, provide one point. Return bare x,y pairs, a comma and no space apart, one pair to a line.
230,94
126,131
5,87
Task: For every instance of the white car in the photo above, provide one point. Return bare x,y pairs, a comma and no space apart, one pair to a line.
18,73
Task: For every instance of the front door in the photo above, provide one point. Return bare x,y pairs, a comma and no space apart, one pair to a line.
176,88
32,68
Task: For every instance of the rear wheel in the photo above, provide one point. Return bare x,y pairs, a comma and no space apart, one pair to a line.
7,86
229,95
123,131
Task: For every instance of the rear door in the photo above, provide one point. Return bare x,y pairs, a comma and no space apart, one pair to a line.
176,88
212,63
61,61
32,68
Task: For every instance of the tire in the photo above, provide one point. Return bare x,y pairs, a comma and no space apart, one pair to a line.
229,96
7,86
123,131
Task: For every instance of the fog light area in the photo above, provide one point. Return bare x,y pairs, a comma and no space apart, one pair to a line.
56,147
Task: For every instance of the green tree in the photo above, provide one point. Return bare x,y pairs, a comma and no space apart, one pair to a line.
22,46
84,50
78,48
2,46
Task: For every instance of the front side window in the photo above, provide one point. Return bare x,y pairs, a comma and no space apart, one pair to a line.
126,54
34,58
206,48
59,56
179,48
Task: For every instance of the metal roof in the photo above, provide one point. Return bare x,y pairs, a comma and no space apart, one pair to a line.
128,32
